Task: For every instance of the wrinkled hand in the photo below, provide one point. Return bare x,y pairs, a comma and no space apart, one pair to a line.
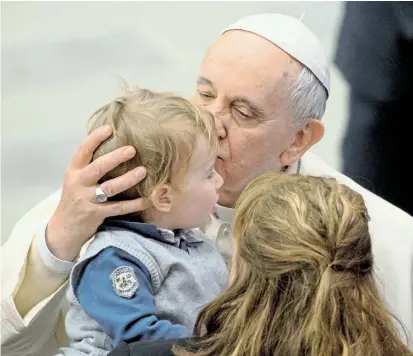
78,216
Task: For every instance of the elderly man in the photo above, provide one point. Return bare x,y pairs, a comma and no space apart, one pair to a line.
266,82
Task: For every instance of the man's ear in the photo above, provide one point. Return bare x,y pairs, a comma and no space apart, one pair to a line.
308,136
161,198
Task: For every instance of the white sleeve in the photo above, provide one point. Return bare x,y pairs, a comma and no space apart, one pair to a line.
53,263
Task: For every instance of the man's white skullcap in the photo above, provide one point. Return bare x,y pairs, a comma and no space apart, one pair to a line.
293,37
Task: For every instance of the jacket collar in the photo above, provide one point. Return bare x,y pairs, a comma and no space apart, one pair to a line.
181,238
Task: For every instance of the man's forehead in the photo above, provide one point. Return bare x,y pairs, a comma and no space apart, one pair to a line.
250,78
244,54
235,43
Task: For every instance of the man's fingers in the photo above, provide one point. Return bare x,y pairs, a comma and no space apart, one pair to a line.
124,182
84,153
98,168
125,207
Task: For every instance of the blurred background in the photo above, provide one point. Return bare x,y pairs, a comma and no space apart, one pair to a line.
62,60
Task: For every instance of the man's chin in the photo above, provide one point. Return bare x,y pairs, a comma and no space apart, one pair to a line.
226,200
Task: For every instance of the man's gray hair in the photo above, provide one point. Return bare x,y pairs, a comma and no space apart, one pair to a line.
307,97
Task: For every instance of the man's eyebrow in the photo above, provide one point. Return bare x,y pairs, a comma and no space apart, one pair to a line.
254,107
204,81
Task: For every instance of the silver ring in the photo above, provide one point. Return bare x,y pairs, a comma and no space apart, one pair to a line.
100,196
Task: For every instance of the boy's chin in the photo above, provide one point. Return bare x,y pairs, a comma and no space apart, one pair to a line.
202,224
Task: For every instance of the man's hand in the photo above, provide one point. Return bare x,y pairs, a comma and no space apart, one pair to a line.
78,216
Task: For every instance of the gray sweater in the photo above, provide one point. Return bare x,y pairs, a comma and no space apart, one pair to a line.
136,282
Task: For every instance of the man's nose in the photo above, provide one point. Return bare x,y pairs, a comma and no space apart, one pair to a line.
218,116
219,124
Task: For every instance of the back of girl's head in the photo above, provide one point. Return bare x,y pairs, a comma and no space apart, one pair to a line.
303,280
162,127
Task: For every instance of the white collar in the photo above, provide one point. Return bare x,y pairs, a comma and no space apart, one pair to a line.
227,214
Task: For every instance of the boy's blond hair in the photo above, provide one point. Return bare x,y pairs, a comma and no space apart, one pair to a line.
163,128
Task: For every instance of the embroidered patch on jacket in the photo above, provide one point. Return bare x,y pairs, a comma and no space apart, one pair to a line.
124,281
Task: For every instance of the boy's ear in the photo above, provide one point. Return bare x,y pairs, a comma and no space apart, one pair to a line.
161,198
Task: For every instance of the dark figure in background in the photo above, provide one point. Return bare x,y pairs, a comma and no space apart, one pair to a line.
375,55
